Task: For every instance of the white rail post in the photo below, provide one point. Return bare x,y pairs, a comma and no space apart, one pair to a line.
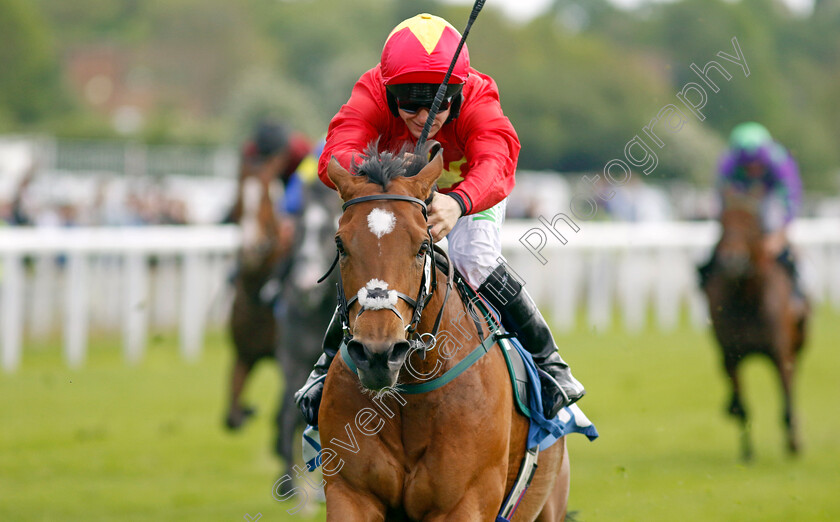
42,304
96,292
193,306
76,309
633,288
600,288
570,271
11,281
114,290
667,293
136,304
165,295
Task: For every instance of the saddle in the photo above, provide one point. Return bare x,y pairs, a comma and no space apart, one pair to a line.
515,363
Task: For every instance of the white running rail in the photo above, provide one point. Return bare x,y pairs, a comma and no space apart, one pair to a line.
103,279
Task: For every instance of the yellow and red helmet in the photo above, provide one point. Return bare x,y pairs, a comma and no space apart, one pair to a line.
420,49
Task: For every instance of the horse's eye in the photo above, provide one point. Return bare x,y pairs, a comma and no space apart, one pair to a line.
424,248
340,246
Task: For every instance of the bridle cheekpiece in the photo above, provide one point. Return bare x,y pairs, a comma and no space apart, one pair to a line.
376,295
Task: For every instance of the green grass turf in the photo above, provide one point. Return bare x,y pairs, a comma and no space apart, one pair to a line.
669,452
146,442
116,442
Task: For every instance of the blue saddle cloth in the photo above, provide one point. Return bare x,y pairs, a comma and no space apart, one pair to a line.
543,432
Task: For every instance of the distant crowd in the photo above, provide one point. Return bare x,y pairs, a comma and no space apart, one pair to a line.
133,206
115,202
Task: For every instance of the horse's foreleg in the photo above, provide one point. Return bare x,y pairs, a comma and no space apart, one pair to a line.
236,415
555,507
786,369
478,504
736,407
472,508
345,504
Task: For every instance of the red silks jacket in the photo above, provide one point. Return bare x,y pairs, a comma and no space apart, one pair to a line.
480,146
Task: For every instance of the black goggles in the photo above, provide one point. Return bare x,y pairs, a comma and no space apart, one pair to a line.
411,97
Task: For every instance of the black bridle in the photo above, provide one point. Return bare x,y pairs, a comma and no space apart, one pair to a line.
428,283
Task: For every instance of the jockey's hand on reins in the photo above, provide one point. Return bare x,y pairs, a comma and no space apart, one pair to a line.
444,212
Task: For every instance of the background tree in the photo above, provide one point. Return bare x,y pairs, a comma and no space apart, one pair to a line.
578,81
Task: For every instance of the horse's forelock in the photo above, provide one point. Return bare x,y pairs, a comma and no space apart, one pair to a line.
382,167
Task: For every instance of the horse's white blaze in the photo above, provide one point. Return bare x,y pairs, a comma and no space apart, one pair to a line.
252,192
381,221
378,301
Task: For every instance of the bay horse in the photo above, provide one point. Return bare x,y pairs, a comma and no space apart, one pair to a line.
304,309
265,244
448,454
754,311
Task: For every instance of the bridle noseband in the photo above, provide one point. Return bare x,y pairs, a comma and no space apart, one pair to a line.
428,283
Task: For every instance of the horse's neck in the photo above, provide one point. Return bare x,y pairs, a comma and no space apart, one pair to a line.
751,283
758,255
252,281
747,233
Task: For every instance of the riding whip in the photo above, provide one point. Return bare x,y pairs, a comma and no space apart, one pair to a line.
433,110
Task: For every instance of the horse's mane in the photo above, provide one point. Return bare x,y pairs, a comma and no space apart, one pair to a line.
382,167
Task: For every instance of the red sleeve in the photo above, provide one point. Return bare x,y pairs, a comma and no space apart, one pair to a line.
363,118
490,144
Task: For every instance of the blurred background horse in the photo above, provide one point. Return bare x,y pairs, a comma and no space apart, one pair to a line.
754,311
279,309
305,307
265,243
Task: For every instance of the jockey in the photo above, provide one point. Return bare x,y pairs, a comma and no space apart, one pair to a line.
480,150
271,139
757,165
298,167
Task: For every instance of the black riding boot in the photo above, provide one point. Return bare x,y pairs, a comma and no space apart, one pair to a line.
520,316
308,398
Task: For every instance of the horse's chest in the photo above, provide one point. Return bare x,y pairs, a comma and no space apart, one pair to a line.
429,460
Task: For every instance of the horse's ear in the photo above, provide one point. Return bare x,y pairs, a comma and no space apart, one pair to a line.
426,178
342,179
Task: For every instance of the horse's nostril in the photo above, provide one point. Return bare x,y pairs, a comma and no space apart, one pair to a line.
398,352
356,351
